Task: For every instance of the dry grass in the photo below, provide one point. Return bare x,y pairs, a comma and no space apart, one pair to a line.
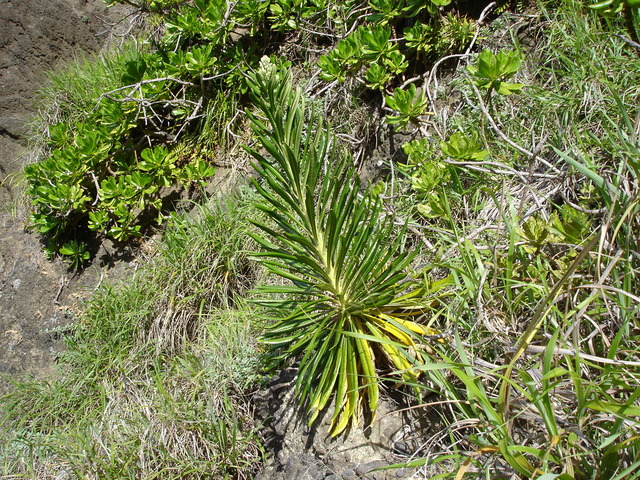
158,369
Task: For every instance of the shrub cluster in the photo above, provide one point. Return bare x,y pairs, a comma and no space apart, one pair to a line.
108,170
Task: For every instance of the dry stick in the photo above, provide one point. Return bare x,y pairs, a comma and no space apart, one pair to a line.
319,34
466,54
63,282
311,83
432,76
95,182
228,126
325,88
355,25
350,138
502,135
597,332
483,15
148,103
539,206
572,352
99,282
135,15
192,116
136,86
410,81
478,165
223,74
590,211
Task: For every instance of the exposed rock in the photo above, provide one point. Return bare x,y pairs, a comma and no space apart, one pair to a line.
36,295
300,452
35,36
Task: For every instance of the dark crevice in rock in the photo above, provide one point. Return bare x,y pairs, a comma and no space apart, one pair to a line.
6,133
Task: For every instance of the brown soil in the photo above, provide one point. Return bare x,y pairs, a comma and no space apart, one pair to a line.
36,295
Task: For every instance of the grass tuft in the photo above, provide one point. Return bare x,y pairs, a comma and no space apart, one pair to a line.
157,370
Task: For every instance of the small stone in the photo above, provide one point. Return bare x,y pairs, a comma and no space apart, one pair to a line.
364,469
400,473
401,448
348,475
320,449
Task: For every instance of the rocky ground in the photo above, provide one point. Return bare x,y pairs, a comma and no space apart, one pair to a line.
300,452
36,295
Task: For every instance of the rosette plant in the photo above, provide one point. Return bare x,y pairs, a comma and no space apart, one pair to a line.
347,312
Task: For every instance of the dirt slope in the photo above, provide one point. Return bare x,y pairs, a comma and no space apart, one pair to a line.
36,295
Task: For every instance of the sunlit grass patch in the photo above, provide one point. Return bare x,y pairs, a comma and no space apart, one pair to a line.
155,377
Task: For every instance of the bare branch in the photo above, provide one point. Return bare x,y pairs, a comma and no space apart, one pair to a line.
502,135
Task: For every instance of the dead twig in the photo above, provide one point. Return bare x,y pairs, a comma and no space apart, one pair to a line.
63,282
502,135
585,356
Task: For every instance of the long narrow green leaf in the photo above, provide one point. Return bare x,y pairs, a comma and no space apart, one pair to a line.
332,241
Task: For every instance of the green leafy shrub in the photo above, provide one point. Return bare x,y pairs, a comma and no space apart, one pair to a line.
492,71
421,37
451,33
464,147
344,58
368,45
377,77
389,11
410,105
76,253
91,182
436,171
429,176
373,45
110,168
